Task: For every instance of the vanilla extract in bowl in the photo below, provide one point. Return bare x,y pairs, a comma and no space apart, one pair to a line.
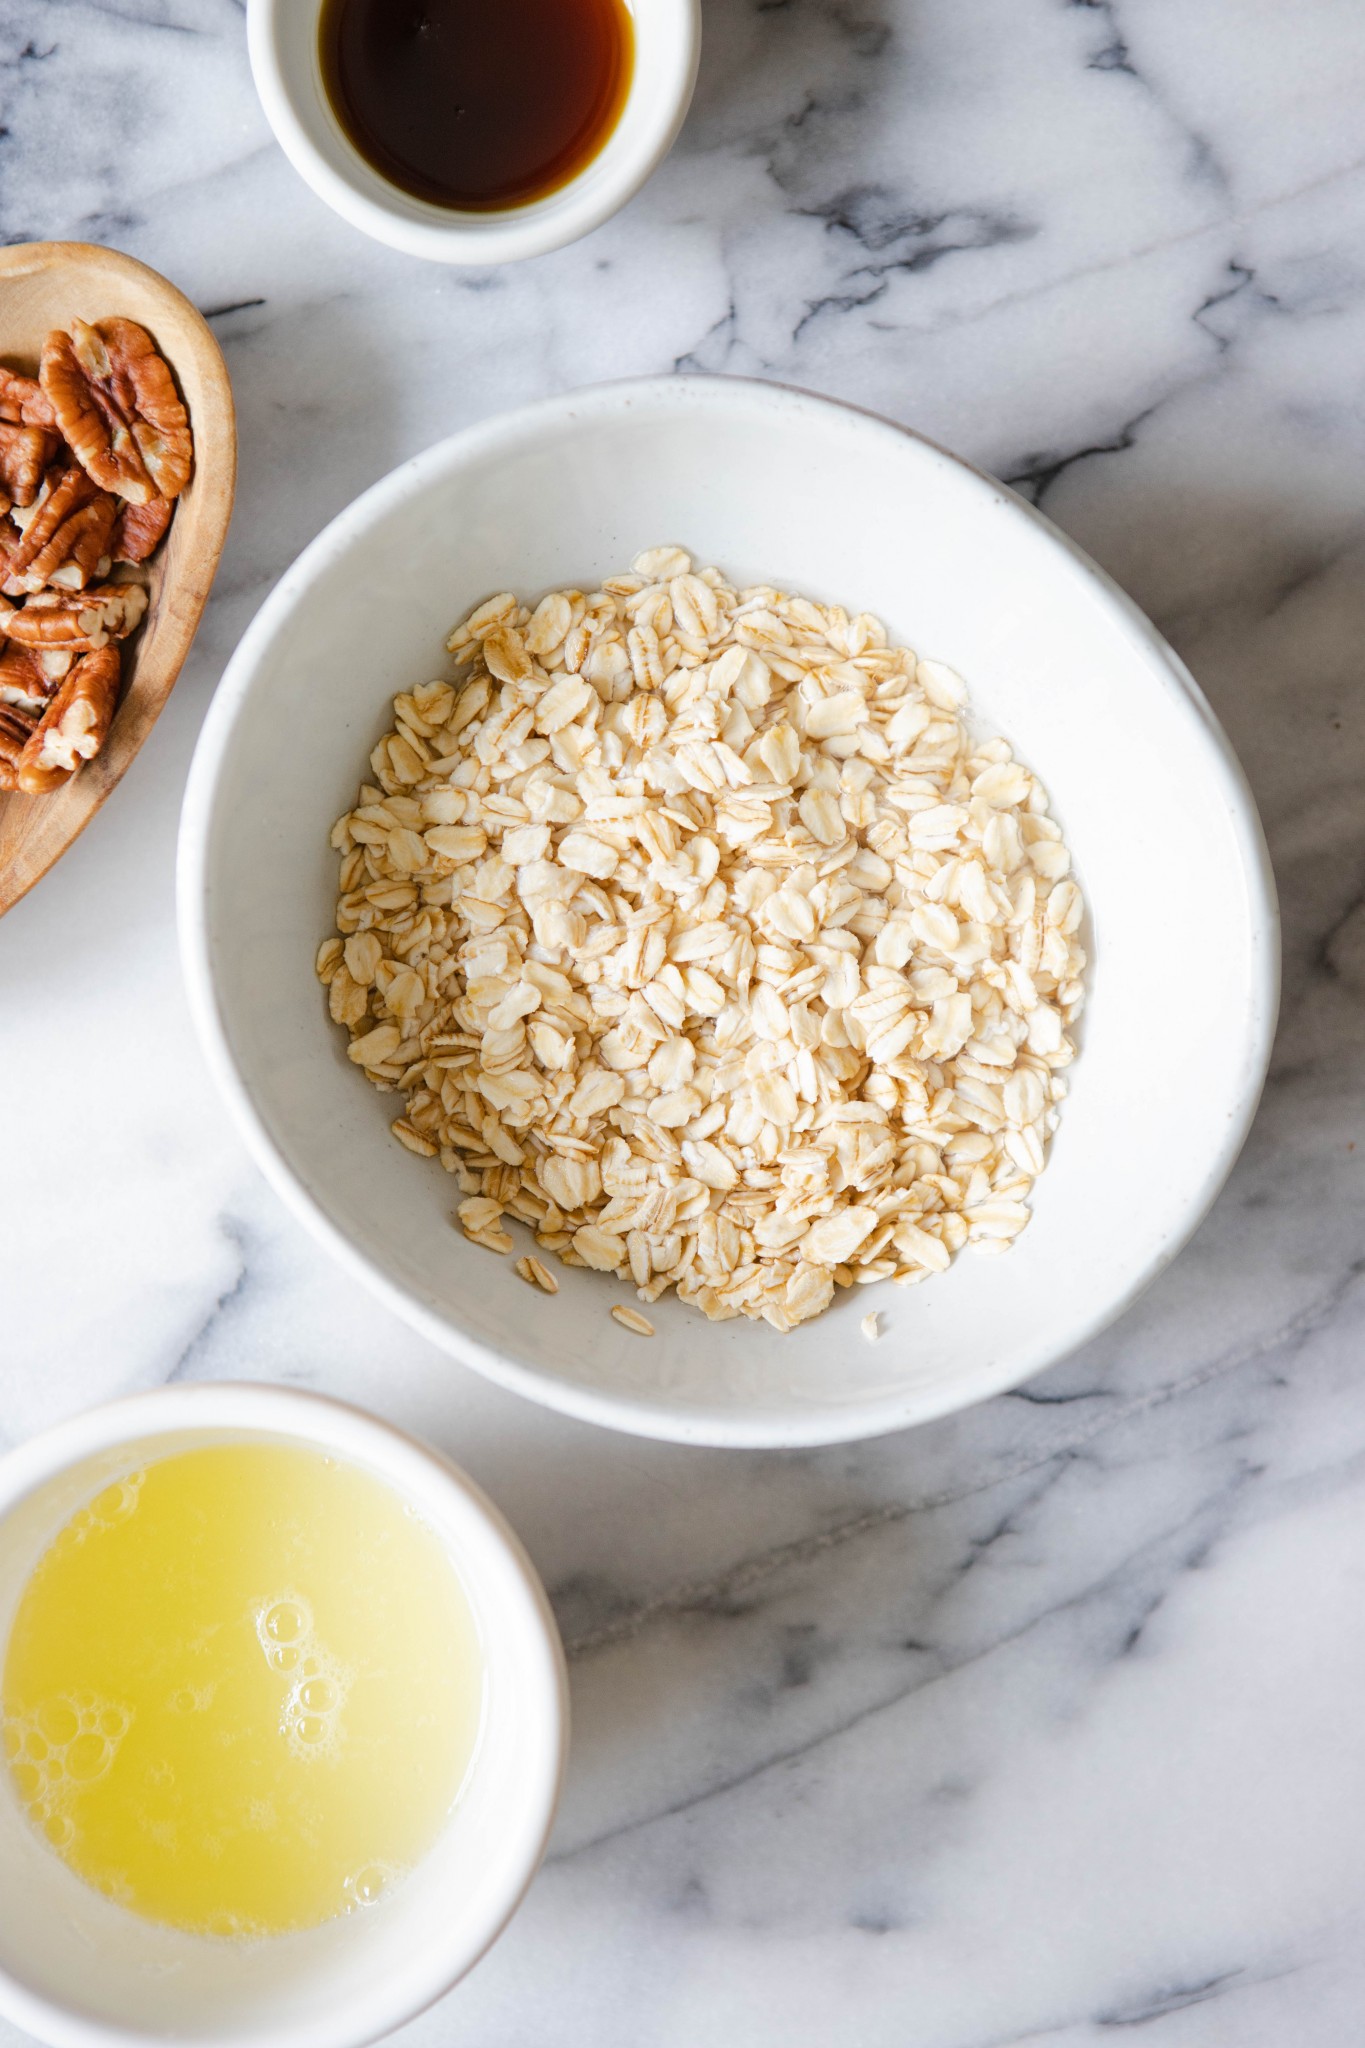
477,105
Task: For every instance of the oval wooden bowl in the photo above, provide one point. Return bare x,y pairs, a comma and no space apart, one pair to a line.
45,285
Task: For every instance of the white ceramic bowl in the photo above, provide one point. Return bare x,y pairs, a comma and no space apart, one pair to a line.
778,486
80,1972
282,38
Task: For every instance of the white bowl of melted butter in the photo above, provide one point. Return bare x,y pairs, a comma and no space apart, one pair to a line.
282,1711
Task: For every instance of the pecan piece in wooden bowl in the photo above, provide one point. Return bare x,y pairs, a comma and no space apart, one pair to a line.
117,408
69,533
140,529
78,620
42,745
23,402
74,725
108,548
25,453
30,676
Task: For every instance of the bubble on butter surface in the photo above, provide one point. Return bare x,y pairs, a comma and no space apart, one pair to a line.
311,1715
369,1884
284,1626
59,1750
112,1505
193,1699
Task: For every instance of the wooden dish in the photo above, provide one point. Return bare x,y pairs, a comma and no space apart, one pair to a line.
45,285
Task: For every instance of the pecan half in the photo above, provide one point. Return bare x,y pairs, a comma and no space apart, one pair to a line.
23,400
74,726
79,621
139,529
25,453
118,408
68,535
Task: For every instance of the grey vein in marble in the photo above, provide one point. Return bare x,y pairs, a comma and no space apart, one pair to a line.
1040,1725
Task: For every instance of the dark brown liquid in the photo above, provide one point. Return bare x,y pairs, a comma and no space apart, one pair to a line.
477,104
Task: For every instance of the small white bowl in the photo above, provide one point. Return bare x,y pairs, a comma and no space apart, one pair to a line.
80,1972
282,38
773,486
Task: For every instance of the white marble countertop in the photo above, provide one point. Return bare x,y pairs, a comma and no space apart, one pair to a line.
1047,1721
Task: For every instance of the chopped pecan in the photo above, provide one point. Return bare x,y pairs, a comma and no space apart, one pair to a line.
23,400
74,726
79,552
55,663
117,406
12,550
24,681
25,453
78,621
22,516
65,488
16,730
140,529
64,537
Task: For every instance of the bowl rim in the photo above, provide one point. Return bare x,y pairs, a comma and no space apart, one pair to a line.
359,194
423,1473
647,1415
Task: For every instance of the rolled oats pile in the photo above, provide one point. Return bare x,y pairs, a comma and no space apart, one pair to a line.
700,936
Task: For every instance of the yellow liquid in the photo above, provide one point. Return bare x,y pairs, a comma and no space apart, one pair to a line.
242,1690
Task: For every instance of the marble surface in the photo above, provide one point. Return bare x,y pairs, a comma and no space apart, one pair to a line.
1047,1722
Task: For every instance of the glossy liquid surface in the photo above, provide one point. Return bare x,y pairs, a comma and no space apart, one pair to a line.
242,1690
477,104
